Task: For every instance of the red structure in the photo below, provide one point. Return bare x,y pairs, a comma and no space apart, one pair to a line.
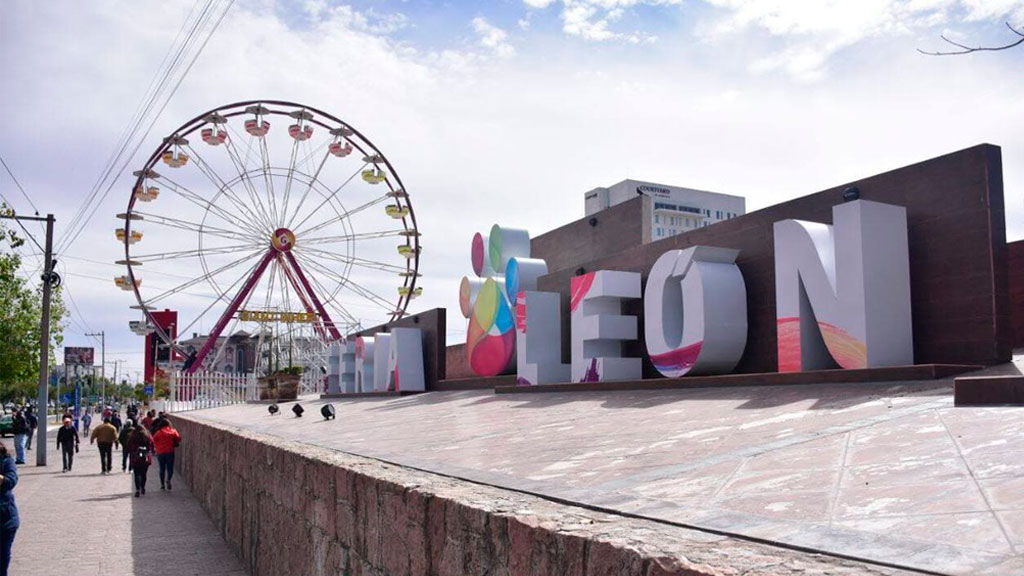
156,350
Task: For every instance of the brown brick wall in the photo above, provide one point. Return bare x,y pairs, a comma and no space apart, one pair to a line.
620,227
287,508
1015,260
958,259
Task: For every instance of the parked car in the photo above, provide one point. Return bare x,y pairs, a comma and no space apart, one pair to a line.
6,425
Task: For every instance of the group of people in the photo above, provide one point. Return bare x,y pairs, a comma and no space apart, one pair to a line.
138,442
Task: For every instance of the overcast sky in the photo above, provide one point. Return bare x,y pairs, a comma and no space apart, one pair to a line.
507,112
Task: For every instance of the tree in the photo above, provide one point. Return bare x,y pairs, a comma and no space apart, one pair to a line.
20,314
964,49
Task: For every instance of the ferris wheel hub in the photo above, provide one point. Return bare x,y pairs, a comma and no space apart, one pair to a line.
282,240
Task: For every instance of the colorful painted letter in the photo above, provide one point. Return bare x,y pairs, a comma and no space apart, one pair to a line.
695,312
598,326
539,339
842,292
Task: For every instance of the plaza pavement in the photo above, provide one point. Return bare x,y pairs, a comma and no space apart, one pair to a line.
87,524
886,472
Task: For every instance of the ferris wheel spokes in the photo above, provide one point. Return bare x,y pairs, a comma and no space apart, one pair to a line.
326,200
242,167
194,253
355,261
345,215
203,203
184,286
397,233
349,283
192,226
223,186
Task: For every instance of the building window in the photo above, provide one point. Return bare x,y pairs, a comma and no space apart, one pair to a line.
657,219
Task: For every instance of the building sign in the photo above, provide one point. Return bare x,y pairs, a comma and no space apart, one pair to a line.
285,317
78,355
842,293
655,190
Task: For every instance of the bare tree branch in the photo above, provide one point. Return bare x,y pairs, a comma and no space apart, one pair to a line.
968,49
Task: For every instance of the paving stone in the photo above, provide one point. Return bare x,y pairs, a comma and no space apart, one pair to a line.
86,524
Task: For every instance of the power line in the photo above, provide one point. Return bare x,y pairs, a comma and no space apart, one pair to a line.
18,184
80,224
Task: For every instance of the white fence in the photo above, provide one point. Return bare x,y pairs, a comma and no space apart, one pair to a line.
209,389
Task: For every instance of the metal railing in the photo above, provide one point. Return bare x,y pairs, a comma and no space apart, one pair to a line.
209,390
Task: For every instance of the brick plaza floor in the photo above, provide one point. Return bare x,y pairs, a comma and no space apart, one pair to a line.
886,472
87,524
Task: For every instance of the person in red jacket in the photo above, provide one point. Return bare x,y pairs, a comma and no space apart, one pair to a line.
166,439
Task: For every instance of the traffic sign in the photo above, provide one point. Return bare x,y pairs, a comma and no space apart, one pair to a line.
147,390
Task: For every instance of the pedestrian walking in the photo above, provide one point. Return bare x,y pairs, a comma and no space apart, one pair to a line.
166,440
115,420
140,446
20,430
105,436
67,443
147,422
87,422
122,438
33,423
9,521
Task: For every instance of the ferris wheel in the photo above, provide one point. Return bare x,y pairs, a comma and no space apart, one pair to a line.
267,213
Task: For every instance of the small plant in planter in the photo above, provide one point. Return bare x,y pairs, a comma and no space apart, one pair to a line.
281,385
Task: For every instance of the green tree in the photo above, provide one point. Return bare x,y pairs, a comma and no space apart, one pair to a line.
21,301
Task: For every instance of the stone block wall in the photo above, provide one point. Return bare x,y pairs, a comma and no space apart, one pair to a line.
288,508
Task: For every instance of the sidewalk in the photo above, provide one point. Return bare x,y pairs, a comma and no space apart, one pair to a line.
88,524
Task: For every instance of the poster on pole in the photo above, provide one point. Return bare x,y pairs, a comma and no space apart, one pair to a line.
78,355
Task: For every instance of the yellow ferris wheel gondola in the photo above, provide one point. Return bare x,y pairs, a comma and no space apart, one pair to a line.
405,291
395,211
124,283
408,251
374,175
134,237
147,193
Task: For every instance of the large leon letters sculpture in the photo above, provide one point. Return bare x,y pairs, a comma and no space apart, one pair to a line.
598,326
695,312
843,292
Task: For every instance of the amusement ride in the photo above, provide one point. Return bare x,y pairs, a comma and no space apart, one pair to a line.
271,219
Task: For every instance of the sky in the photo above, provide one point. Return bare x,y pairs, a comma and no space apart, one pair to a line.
508,112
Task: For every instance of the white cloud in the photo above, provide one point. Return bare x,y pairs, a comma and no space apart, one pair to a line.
813,31
593,19
493,38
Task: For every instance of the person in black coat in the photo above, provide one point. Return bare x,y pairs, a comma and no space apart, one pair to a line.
67,443
33,423
9,520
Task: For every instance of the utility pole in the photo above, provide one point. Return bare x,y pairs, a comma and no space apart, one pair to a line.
103,365
50,280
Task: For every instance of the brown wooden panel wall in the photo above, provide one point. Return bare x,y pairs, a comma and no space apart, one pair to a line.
958,253
1015,259
433,324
